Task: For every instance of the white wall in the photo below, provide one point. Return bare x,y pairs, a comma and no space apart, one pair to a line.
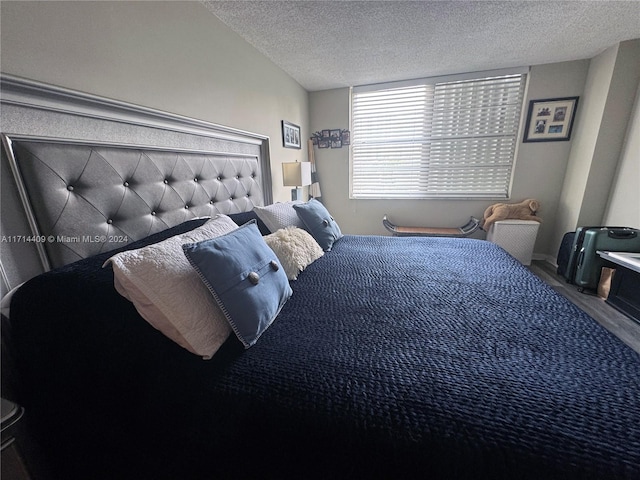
588,122
178,57
172,56
600,142
539,168
624,203
613,138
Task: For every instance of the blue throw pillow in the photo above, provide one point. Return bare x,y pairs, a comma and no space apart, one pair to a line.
319,223
245,278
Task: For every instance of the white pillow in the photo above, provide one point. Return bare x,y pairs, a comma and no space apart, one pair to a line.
279,215
295,248
167,292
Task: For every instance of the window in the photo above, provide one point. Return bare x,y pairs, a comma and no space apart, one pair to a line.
450,137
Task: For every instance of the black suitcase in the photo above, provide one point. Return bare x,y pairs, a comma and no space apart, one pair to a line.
564,253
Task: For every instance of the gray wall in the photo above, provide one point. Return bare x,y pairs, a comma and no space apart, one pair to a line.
539,168
603,145
624,202
591,179
177,57
172,56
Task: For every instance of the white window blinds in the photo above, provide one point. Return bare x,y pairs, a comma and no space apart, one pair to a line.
438,138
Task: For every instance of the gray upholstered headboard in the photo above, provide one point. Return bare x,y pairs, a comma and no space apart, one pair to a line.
86,198
82,174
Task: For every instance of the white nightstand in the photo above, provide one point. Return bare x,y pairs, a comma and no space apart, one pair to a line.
517,237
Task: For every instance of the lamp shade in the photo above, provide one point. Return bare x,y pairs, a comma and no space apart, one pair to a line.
296,174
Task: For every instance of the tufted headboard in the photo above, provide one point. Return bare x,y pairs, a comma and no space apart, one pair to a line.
85,198
81,174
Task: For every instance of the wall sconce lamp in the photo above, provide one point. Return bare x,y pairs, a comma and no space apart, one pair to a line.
296,174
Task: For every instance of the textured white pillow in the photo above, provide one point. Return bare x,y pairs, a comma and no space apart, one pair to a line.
279,215
167,292
295,248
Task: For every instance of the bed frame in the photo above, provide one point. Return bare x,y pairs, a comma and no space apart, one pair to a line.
125,170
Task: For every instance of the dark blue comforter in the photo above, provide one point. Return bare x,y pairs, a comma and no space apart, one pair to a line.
395,358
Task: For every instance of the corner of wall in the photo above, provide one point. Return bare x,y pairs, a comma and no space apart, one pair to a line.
587,131
623,205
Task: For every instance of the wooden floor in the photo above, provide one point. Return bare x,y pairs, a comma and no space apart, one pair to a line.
616,322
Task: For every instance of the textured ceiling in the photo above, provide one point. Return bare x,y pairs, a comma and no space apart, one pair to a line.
331,44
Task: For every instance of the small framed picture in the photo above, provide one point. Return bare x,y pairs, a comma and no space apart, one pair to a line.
324,143
336,138
290,135
346,137
550,120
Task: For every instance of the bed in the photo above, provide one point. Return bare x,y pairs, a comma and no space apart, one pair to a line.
391,357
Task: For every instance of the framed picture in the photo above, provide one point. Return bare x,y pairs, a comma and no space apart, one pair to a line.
336,138
290,135
331,138
550,120
346,137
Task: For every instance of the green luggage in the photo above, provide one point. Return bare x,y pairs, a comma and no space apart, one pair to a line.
612,239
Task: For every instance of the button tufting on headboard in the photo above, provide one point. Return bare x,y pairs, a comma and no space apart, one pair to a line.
114,195
34,111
